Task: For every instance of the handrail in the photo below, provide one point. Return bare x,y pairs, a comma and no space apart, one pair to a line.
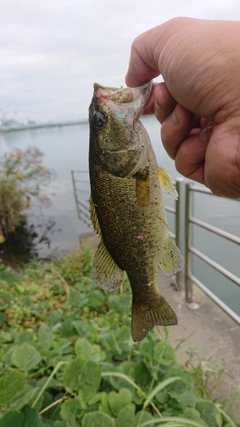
190,250
215,265
82,209
215,230
214,297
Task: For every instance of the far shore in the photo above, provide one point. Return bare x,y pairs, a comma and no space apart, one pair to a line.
17,127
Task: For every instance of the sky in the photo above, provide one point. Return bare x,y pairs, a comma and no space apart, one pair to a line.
52,51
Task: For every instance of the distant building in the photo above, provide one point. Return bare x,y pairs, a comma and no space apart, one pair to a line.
10,123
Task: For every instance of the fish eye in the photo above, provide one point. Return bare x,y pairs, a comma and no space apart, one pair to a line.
99,120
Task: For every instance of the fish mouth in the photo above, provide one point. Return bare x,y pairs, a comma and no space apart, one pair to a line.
137,96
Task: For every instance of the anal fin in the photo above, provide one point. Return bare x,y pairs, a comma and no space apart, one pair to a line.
107,275
171,259
146,316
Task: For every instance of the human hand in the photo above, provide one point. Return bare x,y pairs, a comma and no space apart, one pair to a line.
198,103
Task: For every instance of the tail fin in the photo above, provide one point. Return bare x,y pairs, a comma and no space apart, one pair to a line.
145,316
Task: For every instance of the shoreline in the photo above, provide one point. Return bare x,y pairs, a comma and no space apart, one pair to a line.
41,125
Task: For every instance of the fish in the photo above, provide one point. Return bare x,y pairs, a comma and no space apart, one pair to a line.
126,205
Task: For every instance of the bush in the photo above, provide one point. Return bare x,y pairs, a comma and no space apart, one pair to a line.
22,179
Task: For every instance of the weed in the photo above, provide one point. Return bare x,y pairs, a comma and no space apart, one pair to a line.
67,358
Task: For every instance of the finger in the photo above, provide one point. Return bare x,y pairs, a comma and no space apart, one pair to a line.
190,158
164,102
222,164
149,107
176,128
142,66
160,101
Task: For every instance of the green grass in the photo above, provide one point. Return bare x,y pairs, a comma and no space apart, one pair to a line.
67,358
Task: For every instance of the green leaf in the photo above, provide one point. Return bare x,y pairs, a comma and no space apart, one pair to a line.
164,353
117,401
45,336
12,419
25,336
104,406
54,318
83,376
25,398
8,276
83,347
159,387
146,348
96,299
208,412
193,414
6,298
67,328
25,357
97,419
76,298
183,394
28,417
73,373
119,302
10,386
60,424
89,380
124,380
162,397
140,373
32,417
70,406
126,417
81,328
145,417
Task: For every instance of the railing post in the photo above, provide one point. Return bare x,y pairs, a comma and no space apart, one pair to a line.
75,193
188,240
179,227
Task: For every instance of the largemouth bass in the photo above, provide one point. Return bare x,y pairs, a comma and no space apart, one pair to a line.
126,205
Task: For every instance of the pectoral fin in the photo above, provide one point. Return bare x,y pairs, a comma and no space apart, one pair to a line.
93,216
107,275
171,259
166,183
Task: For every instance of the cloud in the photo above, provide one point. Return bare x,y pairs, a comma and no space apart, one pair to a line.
53,50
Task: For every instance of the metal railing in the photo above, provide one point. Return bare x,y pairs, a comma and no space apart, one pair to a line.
184,223
190,250
81,190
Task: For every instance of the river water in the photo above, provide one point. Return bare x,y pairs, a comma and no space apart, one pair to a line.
66,148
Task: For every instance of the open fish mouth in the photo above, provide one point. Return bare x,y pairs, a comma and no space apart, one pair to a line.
137,96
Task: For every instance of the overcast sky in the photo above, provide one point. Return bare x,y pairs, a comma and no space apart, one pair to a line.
53,50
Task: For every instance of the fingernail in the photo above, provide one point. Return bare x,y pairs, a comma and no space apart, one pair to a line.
174,117
202,136
205,134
